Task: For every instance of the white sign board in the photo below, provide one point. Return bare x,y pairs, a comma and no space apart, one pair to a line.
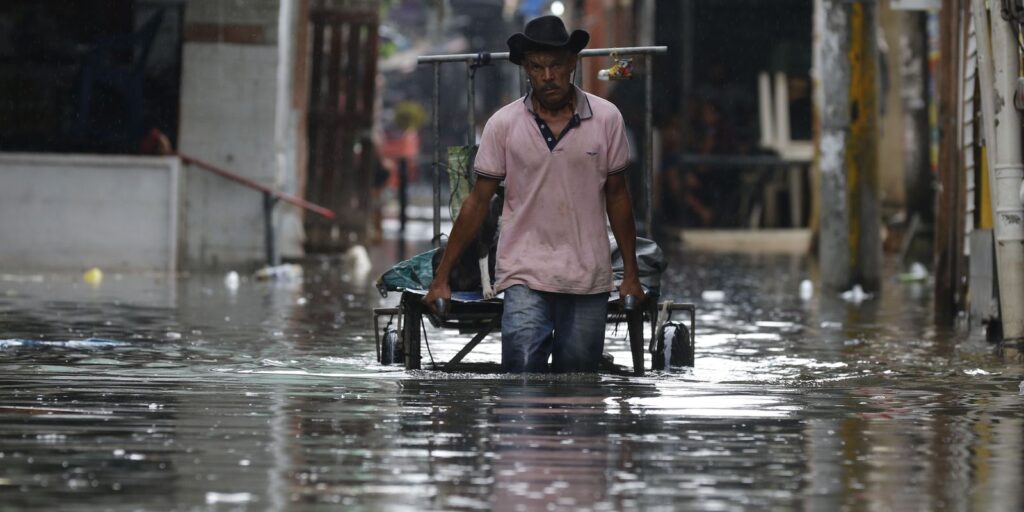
915,5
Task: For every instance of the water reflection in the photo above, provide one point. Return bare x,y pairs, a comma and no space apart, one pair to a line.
185,395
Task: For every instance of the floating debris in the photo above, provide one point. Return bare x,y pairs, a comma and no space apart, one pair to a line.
806,289
855,295
212,498
917,273
93,276
14,278
284,272
231,280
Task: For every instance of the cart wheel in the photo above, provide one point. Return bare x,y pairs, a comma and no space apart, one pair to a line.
682,352
391,348
673,347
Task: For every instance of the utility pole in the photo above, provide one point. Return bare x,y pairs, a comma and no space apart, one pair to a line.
846,101
949,218
1006,175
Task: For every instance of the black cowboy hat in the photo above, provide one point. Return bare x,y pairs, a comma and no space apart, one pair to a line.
545,33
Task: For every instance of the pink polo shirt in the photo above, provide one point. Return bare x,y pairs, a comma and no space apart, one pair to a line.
554,235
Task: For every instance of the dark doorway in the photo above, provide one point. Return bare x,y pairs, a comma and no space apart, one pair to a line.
91,76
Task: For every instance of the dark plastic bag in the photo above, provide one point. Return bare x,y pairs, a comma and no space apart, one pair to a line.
415,273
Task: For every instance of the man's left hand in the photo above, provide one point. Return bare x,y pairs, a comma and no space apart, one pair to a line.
631,286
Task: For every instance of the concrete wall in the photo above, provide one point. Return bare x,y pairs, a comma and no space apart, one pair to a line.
73,212
231,87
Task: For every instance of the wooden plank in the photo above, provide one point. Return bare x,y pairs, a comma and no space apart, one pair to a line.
370,77
315,132
947,225
787,241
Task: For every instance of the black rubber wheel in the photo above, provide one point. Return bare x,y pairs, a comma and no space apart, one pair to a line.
682,351
391,348
673,349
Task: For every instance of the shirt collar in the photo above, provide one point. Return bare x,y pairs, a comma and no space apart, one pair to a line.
582,104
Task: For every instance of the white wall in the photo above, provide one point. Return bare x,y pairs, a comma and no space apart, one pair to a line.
74,212
227,118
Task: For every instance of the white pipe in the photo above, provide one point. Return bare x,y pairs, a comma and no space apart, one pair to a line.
764,110
285,20
988,109
781,111
1008,171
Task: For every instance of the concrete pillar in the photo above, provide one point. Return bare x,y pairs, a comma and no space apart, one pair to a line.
831,75
236,113
846,98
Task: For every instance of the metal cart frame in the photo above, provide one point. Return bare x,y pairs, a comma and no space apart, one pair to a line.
484,317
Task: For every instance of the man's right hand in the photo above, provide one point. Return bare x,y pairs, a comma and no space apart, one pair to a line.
439,289
474,210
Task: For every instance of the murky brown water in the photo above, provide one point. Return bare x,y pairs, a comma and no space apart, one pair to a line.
269,398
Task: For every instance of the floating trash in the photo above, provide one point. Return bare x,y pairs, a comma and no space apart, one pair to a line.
806,289
917,273
855,295
280,272
93,276
231,280
212,498
14,278
357,263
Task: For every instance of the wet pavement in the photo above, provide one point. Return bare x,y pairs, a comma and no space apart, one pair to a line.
145,393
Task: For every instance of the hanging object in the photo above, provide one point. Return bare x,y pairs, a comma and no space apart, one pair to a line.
621,69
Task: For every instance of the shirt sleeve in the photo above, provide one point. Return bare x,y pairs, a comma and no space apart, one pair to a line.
490,156
618,146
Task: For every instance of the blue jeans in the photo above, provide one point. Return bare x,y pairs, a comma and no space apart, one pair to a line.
568,328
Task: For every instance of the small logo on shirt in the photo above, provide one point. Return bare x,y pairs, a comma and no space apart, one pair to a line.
592,153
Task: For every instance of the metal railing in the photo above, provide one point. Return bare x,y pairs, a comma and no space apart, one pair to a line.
270,198
475,60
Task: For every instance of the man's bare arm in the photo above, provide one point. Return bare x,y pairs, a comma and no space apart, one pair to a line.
620,215
474,210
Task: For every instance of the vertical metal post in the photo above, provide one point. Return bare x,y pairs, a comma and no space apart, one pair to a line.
270,244
403,194
437,154
648,145
470,106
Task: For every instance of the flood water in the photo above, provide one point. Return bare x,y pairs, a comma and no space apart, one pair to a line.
145,393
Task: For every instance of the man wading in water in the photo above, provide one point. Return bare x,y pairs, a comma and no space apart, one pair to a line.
562,153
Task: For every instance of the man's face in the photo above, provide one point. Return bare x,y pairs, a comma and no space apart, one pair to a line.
550,76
